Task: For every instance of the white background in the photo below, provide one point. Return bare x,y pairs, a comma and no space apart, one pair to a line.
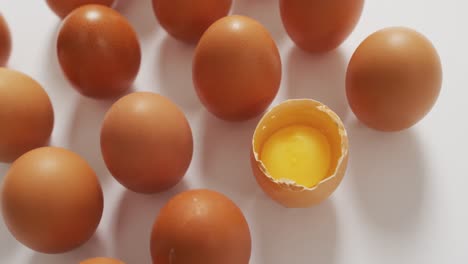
403,199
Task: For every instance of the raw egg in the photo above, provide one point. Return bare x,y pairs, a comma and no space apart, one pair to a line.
393,79
5,41
236,68
26,115
200,227
63,7
317,25
186,20
52,201
102,261
98,51
146,142
299,152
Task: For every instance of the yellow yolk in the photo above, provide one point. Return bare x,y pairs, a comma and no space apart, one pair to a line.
298,153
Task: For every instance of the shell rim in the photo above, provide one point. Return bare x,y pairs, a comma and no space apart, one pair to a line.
290,184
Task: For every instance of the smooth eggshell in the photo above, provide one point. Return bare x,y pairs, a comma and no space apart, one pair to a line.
5,41
186,20
200,227
236,68
52,201
146,142
317,25
393,79
26,115
98,51
102,261
305,112
63,7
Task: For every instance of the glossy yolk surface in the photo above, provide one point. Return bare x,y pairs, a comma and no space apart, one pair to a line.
299,153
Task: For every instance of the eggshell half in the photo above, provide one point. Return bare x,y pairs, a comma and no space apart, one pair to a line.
306,112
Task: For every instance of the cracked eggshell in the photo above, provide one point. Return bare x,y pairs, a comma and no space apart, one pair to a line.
308,112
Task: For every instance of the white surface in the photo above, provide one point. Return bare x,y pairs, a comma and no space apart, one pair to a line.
403,199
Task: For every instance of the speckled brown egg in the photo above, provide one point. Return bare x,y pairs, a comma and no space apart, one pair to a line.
200,227
26,115
146,142
186,20
317,25
236,68
63,7
393,79
98,51
102,261
5,41
52,201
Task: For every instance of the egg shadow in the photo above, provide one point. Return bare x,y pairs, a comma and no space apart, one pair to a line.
299,236
175,73
140,14
4,167
85,133
318,76
134,222
8,244
225,156
266,12
54,79
92,248
387,170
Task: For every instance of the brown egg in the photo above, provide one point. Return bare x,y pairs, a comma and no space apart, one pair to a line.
309,113
63,7
393,79
236,68
102,261
317,25
98,51
26,115
51,199
146,142
200,227
186,20
5,41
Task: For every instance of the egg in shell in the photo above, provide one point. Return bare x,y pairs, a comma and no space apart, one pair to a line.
299,152
200,227
5,41
186,20
236,68
63,7
146,142
52,200
26,115
393,79
98,51
317,25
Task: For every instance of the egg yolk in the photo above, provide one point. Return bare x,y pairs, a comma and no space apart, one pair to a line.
298,153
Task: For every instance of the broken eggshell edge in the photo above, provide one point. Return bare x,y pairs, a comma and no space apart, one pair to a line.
287,192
